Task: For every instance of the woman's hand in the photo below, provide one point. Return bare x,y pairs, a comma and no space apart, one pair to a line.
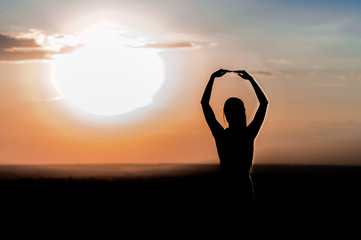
243,74
220,73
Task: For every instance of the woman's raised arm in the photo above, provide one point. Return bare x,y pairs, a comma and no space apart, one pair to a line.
207,110
256,124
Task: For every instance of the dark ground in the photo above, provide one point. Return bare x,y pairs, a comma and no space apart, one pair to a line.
166,194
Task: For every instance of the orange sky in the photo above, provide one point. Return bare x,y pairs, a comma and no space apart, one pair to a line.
308,72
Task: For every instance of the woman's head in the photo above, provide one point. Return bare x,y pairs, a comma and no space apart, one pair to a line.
235,112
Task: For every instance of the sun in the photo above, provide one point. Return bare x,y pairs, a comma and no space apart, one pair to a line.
106,77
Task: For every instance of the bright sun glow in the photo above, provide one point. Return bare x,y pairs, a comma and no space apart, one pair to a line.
106,77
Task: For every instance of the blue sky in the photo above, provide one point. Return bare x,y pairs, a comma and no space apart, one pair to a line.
18,13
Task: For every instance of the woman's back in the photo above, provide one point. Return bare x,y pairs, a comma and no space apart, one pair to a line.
235,150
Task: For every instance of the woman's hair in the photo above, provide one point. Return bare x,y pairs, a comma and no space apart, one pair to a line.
234,110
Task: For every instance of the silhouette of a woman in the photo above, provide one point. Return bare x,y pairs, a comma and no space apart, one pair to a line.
235,144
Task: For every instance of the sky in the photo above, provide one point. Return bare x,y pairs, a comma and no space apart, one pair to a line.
305,55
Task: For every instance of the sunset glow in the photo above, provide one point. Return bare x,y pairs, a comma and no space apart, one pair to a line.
121,81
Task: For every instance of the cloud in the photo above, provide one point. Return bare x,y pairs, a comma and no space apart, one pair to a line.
180,45
170,45
281,61
346,76
8,41
267,73
20,55
15,48
69,49
34,46
331,85
355,74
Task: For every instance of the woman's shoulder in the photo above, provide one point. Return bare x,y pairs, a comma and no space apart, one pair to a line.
245,132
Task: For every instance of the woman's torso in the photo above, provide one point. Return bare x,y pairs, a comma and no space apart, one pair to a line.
235,151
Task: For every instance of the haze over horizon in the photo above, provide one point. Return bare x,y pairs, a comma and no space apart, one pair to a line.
306,56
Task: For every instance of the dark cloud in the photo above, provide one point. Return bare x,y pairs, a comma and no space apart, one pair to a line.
7,41
36,46
15,48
